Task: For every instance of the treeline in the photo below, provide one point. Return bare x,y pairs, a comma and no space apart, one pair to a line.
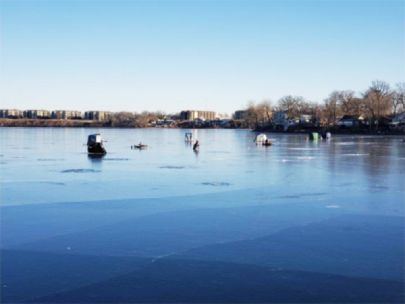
133,120
377,102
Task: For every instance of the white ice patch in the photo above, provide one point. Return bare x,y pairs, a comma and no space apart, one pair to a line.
286,160
346,143
304,149
305,157
332,206
355,154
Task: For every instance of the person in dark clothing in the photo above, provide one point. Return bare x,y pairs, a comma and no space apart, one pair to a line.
196,145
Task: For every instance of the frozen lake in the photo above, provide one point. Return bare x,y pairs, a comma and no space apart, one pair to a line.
51,165
167,224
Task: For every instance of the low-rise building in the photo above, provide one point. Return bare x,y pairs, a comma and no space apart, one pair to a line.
11,113
63,114
240,114
193,114
37,114
97,115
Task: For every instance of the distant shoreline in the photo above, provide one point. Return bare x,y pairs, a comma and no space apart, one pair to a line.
59,123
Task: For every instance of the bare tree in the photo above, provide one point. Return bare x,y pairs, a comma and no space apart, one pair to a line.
292,105
349,104
342,103
332,107
264,111
311,108
124,119
251,119
258,115
378,101
134,120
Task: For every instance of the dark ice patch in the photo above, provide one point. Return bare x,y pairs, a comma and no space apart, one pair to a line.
116,159
80,171
289,196
299,195
378,188
49,159
216,184
345,184
219,152
171,167
53,183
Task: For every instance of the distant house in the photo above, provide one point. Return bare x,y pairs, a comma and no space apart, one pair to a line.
220,123
193,115
37,114
281,121
280,118
225,123
305,119
398,119
385,121
166,122
199,122
349,121
308,121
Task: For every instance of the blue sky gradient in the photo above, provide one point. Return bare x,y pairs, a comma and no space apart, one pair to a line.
172,55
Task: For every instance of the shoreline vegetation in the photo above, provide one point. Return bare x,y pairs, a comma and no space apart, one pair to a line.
60,123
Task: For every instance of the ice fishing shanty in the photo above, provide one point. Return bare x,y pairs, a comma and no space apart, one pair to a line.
95,145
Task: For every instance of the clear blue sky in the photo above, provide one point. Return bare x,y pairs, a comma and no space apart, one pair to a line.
200,54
